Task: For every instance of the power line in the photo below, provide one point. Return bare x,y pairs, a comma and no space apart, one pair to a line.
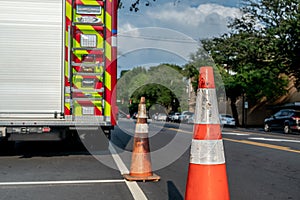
174,40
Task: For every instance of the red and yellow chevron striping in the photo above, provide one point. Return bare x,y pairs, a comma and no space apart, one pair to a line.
90,58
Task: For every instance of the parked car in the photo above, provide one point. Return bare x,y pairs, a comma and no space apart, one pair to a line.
162,117
185,116
175,117
135,115
154,116
287,120
169,116
227,120
191,119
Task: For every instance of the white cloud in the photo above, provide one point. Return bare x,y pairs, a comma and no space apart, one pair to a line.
129,28
167,33
205,20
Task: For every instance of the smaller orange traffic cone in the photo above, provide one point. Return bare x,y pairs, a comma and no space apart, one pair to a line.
207,179
141,169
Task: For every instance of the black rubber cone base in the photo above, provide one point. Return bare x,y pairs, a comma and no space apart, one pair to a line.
154,178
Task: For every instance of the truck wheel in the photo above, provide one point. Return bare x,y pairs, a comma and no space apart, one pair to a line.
7,147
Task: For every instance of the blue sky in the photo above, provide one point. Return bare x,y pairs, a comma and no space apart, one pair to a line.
168,31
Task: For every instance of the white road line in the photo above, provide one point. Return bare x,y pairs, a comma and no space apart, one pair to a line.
231,133
180,130
134,188
120,164
274,140
59,182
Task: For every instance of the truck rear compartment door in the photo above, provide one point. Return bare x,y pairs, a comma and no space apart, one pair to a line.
31,57
86,45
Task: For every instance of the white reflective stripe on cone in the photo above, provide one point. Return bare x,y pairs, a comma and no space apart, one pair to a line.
141,128
142,113
207,152
207,106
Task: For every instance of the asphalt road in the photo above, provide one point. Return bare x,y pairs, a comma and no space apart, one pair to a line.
259,166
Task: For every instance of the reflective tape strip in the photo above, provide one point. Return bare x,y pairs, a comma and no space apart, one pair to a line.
108,51
98,107
207,152
141,128
114,41
68,10
88,2
68,17
78,81
108,21
108,80
207,107
67,105
67,90
107,109
77,44
142,113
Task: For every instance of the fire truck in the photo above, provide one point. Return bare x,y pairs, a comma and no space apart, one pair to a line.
58,67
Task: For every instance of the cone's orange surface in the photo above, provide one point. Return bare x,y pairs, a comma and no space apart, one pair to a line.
207,178
141,168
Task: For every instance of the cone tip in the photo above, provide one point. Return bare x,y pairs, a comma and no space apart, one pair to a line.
206,78
143,100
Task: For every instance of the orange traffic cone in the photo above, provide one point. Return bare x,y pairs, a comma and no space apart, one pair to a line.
141,169
207,178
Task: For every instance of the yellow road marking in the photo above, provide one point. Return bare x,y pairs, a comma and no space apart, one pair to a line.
270,146
179,130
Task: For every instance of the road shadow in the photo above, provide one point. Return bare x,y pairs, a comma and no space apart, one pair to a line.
28,149
121,139
173,192
93,143
124,132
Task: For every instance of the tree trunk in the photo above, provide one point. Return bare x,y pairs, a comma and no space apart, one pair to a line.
234,111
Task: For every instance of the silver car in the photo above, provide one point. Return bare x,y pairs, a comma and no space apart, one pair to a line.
227,120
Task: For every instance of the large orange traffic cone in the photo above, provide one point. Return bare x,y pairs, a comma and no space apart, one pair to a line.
141,169
207,178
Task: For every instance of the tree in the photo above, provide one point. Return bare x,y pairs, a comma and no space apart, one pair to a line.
261,53
198,59
162,84
136,4
277,24
154,94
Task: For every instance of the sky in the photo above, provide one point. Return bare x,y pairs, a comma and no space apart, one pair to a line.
168,31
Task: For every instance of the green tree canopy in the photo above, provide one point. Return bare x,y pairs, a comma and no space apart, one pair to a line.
163,84
135,4
274,26
260,54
